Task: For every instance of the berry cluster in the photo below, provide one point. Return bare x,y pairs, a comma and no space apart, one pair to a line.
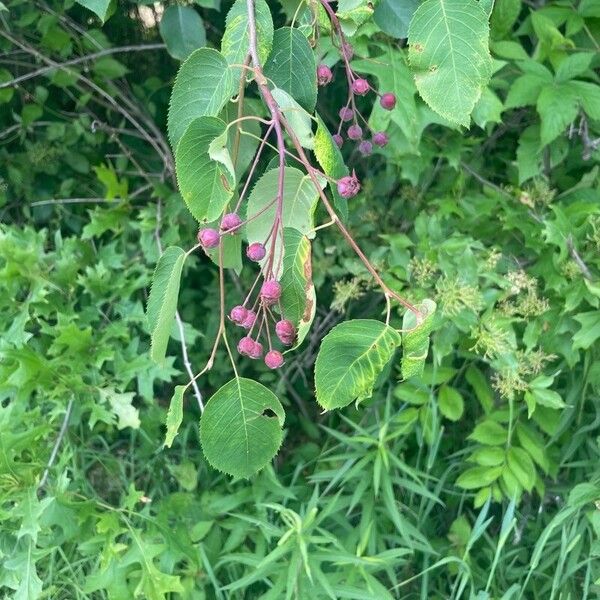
257,319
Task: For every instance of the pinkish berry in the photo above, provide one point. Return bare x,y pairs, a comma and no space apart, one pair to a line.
346,113
354,132
238,314
347,50
256,251
257,351
286,332
380,139
360,86
208,238
274,359
249,321
230,221
270,291
324,75
388,101
338,139
348,186
365,148
245,346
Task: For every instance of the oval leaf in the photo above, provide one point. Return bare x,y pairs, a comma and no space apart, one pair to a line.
204,84
415,339
162,303
205,184
292,67
449,55
182,30
240,429
175,415
351,357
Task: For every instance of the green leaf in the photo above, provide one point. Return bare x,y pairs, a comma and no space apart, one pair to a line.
299,203
182,30
298,299
548,398
557,106
351,357
590,330
121,404
588,95
235,43
99,7
393,16
451,403
415,339
488,109
204,84
534,445
162,303
529,159
574,65
504,15
240,428
522,467
292,67
206,184
298,119
330,159
175,414
449,55
477,477
490,456
525,90
489,433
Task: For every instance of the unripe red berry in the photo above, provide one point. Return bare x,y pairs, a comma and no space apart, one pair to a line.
249,321
256,251
380,139
270,291
230,221
238,314
347,50
324,75
338,139
285,331
346,113
274,359
354,132
365,148
360,86
208,238
245,346
388,101
348,186
257,351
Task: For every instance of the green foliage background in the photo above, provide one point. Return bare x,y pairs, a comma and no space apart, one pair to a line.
476,479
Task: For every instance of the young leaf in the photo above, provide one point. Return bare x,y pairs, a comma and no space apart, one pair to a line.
204,84
175,415
182,30
206,184
351,357
292,67
240,429
162,302
235,43
415,340
449,56
298,299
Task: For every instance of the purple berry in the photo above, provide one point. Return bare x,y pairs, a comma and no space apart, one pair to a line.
285,331
388,101
256,251
249,321
354,132
238,314
338,139
245,346
270,291
380,139
348,186
209,238
360,86
324,75
257,350
230,221
346,113
274,359
365,148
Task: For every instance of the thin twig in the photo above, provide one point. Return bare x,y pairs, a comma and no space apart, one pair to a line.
578,260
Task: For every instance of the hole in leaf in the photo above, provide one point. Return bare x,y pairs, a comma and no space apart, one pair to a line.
268,413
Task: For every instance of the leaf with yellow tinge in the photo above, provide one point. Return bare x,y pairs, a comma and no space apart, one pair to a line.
415,339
